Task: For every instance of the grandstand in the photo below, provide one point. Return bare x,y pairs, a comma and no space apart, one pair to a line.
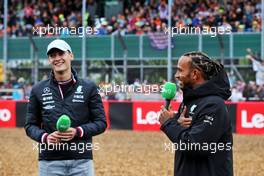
123,42
132,17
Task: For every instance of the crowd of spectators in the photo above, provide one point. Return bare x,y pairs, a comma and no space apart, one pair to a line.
15,89
138,16
247,92
241,91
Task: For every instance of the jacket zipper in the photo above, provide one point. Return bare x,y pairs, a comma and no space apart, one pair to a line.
61,93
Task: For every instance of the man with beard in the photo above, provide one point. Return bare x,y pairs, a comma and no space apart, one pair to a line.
201,130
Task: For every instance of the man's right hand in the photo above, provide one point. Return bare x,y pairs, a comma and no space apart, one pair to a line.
183,120
53,138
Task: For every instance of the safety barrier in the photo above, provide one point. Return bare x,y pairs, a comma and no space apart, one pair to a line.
247,117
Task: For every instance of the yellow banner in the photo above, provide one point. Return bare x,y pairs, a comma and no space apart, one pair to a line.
1,72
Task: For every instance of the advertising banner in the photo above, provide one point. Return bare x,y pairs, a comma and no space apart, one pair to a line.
145,114
250,118
106,109
7,113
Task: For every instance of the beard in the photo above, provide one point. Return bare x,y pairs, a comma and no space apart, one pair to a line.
187,83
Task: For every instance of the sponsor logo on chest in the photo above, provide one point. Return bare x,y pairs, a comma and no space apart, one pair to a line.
191,112
47,99
78,96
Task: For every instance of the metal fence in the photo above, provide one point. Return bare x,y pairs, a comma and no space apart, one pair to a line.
138,47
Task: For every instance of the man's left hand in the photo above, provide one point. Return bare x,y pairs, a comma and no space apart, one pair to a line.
67,135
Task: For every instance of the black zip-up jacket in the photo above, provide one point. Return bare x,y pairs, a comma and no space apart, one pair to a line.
81,102
205,148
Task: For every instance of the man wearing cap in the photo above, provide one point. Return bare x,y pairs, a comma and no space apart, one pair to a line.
69,152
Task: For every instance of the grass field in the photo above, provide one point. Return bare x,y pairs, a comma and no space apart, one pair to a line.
125,153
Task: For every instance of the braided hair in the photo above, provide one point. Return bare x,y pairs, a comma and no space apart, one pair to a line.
204,63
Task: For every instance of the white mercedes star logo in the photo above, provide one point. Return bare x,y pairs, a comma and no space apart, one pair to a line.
46,90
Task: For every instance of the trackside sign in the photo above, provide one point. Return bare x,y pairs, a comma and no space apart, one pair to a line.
145,115
7,113
250,118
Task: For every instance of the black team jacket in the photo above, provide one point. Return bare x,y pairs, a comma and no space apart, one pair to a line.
205,148
81,102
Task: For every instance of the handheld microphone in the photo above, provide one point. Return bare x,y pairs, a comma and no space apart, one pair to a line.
168,92
63,123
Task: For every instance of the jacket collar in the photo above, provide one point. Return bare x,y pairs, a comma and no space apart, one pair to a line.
217,85
54,81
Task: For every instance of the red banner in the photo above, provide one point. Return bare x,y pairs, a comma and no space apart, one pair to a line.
250,118
145,114
106,109
7,113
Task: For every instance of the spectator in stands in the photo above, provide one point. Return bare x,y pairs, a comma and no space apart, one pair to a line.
236,95
258,66
249,91
27,90
260,92
231,77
